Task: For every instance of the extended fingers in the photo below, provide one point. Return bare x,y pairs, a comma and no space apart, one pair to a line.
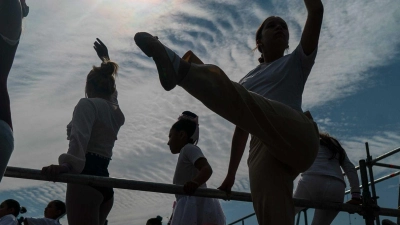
101,42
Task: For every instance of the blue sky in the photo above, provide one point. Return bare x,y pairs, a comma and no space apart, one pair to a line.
352,91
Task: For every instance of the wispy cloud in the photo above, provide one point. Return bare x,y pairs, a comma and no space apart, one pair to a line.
55,55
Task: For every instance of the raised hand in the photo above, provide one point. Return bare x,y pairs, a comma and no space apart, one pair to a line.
101,50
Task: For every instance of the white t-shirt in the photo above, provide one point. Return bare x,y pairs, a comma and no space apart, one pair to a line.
185,169
94,128
324,165
8,220
282,80
42,221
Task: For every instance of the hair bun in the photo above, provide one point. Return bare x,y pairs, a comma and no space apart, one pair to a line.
187,115
190,114
159,218
108,68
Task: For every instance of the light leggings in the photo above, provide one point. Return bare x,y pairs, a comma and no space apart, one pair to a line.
321,188
6,146
284,141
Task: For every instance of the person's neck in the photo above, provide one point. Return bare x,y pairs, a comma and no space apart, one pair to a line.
107,98
272,55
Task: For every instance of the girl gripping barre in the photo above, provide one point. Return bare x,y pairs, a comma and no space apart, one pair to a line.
267,105
92,133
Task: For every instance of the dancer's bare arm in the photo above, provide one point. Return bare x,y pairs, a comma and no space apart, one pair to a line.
10,18
312,29
239,141
205,172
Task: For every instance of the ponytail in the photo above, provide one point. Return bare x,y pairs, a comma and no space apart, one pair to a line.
333,145
101,79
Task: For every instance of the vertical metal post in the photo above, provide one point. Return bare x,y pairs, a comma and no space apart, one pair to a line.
298,218
371,178
305,217
398,204
242,222
368,212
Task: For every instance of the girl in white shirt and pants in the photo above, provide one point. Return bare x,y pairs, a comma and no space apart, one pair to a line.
323,181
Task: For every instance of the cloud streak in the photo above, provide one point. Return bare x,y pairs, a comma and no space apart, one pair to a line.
56,54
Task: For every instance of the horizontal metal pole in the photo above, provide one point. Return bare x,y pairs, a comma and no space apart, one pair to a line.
122,184
385,155
381,157
387,165
380,179
175,189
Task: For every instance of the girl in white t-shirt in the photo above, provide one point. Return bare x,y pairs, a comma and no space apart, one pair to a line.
323,181
9,210
54,211
192,171
265,104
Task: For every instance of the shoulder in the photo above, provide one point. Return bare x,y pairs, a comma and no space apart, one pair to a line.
190,148
85,102
7,218
191,151
299,52
85,105
92,103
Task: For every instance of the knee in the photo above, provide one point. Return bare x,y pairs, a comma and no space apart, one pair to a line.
207,68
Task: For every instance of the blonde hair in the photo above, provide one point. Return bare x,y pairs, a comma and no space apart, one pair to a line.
101,79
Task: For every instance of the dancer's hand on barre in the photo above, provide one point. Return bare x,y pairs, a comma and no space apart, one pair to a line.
190,187
101,49
53,170
204,174
355,201
227,185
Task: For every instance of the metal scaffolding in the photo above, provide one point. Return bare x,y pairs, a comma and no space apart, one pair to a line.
370,209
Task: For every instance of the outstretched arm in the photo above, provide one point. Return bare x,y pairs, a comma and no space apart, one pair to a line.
239,141
312,29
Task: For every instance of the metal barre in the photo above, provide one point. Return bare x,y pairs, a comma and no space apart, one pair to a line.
177,189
